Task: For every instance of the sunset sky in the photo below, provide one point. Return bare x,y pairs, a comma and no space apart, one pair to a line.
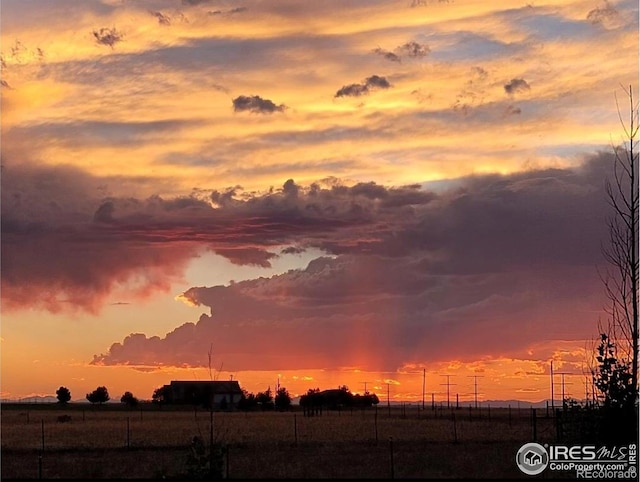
332,192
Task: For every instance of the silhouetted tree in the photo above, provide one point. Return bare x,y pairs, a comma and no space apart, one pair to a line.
247,401
613,377
99,395
312,402
283,399
366,400
63,395
619,340
129,399
265,399
159,395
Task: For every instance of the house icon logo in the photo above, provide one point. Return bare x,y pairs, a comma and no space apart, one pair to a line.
532,458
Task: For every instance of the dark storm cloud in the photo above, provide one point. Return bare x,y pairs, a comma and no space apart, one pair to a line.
108,36
47,212
355,90
516,85
511,254
255,103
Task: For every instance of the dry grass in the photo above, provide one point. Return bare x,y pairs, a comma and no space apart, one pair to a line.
268,445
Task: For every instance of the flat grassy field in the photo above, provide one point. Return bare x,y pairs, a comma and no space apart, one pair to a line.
150,442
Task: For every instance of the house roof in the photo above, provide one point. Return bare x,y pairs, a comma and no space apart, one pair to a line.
224,386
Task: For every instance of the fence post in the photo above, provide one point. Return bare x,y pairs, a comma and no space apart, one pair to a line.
509,415
295,428
41,450
455,428
128,435
211,455
534,424
391,455
558,421
375,423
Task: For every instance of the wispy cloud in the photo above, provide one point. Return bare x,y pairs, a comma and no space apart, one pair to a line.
231,11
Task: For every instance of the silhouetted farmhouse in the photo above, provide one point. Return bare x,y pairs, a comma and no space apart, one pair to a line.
217,394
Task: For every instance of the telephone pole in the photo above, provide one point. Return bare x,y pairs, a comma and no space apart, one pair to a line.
475,387
448,384
552,400
562,374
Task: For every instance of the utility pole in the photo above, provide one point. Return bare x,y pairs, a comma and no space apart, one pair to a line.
552,402
586,391
365,387
562,374
475,387
448,384
424,381
388,399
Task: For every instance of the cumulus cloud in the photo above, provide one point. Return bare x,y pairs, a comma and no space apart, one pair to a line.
516,85
355,90
108,36
255,103
437,277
